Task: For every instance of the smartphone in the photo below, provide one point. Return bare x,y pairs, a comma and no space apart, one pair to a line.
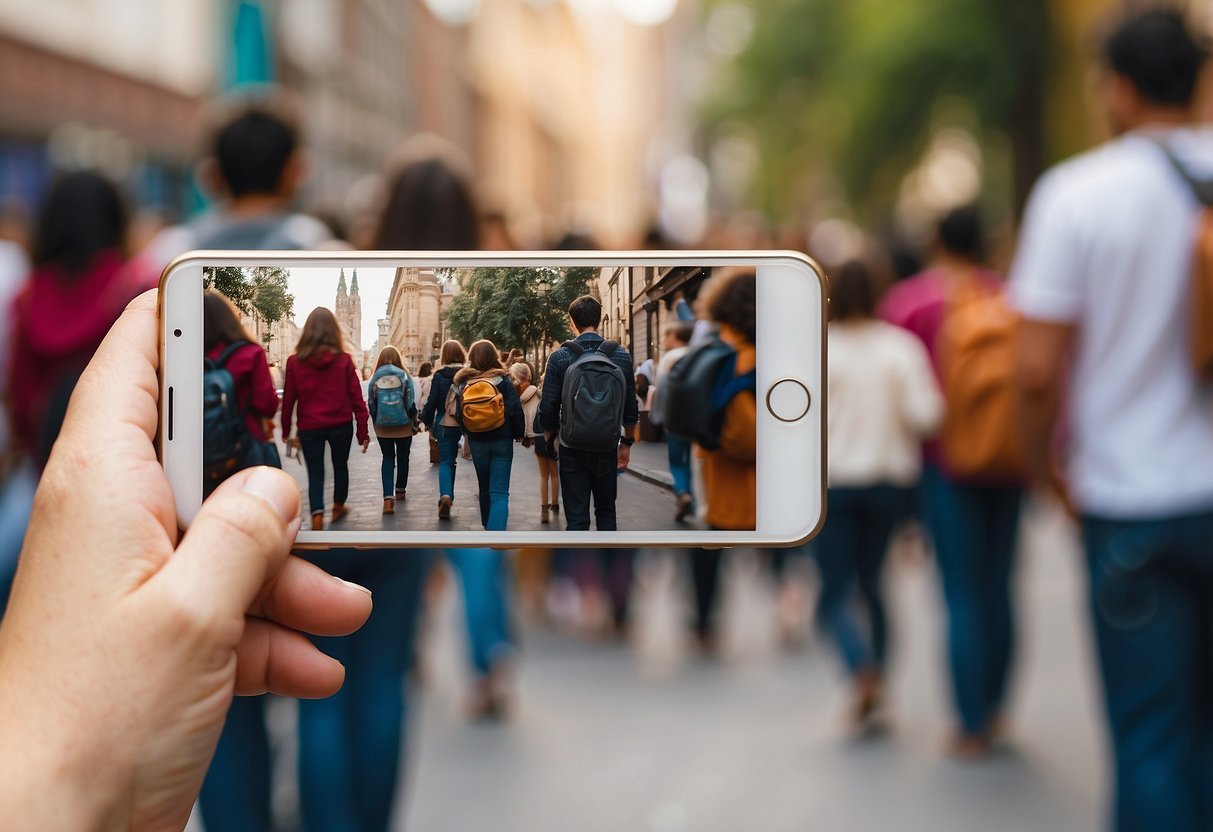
247,336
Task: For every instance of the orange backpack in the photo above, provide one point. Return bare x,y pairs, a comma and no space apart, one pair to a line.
976,350
481,404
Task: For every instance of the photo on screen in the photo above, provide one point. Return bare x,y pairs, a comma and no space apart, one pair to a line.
489,398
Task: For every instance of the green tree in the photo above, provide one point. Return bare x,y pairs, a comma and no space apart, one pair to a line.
261,292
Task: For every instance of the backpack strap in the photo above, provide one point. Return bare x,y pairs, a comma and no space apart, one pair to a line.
727,385
1202,189
224,356
608,348
576,349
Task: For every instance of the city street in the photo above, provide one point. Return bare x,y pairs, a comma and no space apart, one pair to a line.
642,504
652,737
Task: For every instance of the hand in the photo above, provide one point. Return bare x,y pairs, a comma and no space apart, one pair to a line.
123,644
293,442
527,442
365,443
625,457
268,426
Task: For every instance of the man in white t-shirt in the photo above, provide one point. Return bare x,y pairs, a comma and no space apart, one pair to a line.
1101,279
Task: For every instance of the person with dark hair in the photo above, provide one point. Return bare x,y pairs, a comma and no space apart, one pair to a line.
228,346
973,521
443,424
254,169
1102,280
594,451
322,380
428,200
884,400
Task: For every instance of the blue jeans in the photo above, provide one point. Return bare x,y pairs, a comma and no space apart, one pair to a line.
448,454
679,451
312,442
493,460
485,578
1151,596
974,529
395,462
235,795
850,553
349,743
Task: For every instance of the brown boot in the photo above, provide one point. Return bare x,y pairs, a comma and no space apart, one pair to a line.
339,511
544,514
444,508
389,505
318,521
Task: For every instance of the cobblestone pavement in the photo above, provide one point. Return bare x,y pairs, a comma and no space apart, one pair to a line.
643,502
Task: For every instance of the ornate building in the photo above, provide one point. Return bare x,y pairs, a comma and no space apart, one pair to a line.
348,310
416,310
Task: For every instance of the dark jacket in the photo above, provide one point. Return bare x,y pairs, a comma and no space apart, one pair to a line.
328,393
256,397
435,405
553,382
515,419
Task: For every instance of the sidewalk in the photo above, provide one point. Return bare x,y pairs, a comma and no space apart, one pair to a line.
651,463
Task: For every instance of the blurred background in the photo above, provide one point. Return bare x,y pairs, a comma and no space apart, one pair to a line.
815,125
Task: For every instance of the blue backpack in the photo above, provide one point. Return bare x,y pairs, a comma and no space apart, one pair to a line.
225,436
393,399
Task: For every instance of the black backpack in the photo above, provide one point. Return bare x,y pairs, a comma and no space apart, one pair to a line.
591,399
697,390
225,436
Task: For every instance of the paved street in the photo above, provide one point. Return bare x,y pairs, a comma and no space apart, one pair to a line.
651,737
643,504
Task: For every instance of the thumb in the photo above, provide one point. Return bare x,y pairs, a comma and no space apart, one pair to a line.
239,538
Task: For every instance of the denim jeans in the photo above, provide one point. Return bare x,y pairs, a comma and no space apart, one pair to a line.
679,452
974,529
235,795
312,442
493,460
395,459
850,554
485,578
1151,597
448,455
585,474
350,743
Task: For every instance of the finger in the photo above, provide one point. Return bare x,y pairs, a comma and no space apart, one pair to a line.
241,535
302,596
274,659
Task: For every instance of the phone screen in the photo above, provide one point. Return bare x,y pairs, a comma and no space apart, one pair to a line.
510,397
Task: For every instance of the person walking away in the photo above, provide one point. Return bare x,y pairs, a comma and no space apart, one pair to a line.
595,442
439,417
322,381
240,400
393,412
884,400
1104,277
729,301
424,378
972,517
493,419
676,339
549,475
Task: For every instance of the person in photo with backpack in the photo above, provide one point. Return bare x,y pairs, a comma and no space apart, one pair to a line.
589,402
972,474
1115,243
884,400
549,472
239,401
393,410
712,400
676,340
492,418
438,415
322,381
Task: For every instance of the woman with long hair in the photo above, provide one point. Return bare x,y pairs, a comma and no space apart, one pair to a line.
227,345
322,380
493,449
443,425
549,470
394,414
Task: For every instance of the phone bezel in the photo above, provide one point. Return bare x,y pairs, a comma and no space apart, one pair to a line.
788,347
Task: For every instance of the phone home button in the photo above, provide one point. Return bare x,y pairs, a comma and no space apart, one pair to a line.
788,400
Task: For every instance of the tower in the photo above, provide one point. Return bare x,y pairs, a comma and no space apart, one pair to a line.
355,308
341,308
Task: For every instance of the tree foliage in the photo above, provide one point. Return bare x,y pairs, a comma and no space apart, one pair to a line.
505,305
261,292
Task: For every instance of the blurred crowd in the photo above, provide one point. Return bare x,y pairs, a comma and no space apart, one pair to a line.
951,392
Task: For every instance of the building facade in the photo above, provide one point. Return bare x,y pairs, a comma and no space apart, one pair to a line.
417,314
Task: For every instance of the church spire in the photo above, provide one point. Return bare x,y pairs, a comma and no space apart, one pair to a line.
341,283
354,284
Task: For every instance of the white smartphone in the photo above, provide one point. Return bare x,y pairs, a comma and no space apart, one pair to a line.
390,493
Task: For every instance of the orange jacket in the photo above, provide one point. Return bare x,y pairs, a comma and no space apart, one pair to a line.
729,473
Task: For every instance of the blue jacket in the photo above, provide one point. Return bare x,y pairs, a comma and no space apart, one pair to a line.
553,382
372,403
435,406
